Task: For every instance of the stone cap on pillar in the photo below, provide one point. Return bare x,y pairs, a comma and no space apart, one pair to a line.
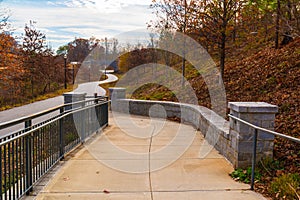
117,89
75,94
252,107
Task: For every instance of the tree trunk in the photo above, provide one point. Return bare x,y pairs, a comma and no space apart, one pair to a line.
235,24
277,25
183,70
223,39
32,87
287,38
184,45
222,54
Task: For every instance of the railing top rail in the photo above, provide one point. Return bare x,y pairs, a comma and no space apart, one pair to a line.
104,97
84,101
49,122
266,130
23,119
39,114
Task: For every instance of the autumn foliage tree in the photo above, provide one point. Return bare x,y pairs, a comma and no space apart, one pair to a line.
33,48
44,69
217,16
137,57
217,23
11,68
78,49
207,19
29,69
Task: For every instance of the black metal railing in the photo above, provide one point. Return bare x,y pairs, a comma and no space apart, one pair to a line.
256,129
26,155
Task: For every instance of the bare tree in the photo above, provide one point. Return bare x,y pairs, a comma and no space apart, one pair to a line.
79,49
34,45
208,18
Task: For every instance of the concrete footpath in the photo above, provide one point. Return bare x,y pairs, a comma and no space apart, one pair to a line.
142,159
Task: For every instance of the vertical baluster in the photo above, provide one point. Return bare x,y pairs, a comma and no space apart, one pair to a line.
5,171
24,164
1,172
61,135
28,158
83,119
18,177
9,171
34,156
37,139
48,135
57,139
13,170
43,152
39,152
51,144
101,115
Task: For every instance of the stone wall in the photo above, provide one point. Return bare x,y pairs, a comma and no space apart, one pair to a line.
232,139
212,126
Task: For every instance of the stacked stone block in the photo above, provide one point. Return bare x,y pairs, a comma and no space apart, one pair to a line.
260,114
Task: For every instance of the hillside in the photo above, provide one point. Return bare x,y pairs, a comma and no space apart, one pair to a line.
272,76
268,75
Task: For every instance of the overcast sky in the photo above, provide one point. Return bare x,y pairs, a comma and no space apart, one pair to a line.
63,20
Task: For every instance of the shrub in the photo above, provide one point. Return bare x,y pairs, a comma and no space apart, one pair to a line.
244,175
286,186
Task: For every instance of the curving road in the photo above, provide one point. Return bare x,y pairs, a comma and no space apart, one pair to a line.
29,109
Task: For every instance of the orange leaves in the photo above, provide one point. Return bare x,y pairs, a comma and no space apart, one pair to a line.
11,68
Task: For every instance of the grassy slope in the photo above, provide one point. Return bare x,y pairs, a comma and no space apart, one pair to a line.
38,98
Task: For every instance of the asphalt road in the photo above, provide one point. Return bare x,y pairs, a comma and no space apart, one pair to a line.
27,110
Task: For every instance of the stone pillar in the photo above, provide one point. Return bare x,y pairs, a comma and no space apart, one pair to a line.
260,114
116,94
71,97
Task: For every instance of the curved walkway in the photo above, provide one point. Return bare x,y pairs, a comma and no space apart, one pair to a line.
97,172
93,87
26,110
